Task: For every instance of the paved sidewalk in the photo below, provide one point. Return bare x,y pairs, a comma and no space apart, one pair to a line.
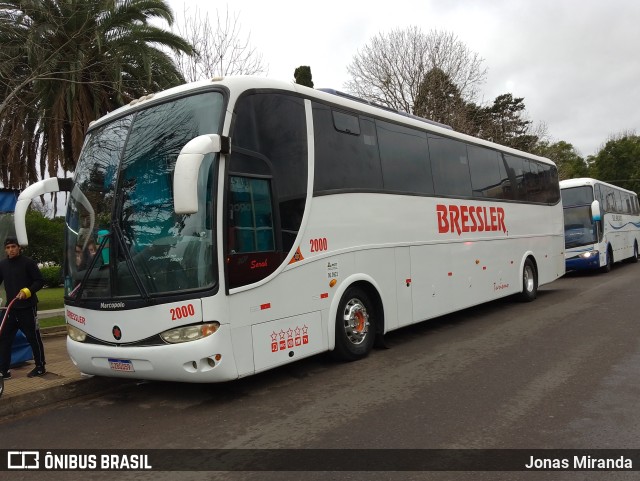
62,381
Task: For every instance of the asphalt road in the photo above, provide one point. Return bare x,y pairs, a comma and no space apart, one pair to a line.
560,372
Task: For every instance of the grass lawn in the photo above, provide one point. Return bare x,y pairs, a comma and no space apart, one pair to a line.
48,298
52,321
51,298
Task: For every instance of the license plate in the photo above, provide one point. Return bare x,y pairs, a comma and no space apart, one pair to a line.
121,365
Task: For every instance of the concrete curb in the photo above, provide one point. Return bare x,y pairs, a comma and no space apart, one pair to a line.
50,313
22,403
54,331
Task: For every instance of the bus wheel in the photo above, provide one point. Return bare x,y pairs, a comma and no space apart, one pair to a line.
609,264
355,326
529,282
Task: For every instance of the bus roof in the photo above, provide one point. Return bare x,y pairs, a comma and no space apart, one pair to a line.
582,181
236,85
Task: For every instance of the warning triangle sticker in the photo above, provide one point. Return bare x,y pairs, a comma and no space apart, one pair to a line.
296,257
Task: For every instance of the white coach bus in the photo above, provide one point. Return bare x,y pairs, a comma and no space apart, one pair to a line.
244,223
602,224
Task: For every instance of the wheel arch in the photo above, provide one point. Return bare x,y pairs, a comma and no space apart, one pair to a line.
608,253
529,255
372,288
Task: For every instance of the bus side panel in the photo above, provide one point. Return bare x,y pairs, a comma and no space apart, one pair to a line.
551,262
621,232
379,264
404,283
285,340
453,276
278,303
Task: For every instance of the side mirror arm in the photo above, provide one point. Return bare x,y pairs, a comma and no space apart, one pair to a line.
185,176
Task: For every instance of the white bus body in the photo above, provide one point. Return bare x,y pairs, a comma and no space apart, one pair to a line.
602,224
293,222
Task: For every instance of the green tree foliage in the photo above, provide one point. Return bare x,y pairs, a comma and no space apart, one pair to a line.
52,275
64,63
570,164
502,122
618,162
46,238
506,123
302,76
439,99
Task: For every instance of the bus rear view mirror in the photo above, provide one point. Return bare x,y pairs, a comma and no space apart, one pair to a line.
45,186
595,211
185,176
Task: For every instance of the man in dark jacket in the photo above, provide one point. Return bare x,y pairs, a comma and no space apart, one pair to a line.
22,279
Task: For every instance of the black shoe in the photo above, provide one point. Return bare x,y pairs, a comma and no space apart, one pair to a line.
37,371
5,375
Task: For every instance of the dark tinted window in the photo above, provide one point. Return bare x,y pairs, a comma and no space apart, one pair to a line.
404,157
251,219
609,199
518,171
450,166
535,183
618,195
486,178
346,122
268,165
507,179
626,201
550,182
344,160
577,196
597,194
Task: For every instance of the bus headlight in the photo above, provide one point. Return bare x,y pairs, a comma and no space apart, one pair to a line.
189,333
589,254
76,334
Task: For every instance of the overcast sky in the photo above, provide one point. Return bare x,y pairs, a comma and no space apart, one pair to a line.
575,62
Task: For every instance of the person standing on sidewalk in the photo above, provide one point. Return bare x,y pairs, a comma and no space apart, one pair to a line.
22,279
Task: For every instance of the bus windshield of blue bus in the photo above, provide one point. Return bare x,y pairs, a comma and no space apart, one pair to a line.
579,228
577,196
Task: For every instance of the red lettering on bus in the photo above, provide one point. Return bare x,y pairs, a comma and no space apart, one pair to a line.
72,315
454,216
469,218
501,225
443,225
258,265
464,217
480,221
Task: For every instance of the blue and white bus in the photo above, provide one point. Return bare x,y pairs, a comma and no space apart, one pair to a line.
601,224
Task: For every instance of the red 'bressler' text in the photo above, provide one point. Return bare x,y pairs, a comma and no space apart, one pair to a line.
470,218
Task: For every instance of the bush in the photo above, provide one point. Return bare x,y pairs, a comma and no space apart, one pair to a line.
52,275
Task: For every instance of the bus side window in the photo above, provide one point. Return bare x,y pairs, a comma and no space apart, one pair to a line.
250,215
251,237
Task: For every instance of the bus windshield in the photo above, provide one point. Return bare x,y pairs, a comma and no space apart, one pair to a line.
579,228
123,237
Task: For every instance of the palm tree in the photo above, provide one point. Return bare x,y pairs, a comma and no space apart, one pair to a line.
64,63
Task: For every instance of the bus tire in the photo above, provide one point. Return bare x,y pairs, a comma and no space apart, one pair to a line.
529,282
609,261
355,326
